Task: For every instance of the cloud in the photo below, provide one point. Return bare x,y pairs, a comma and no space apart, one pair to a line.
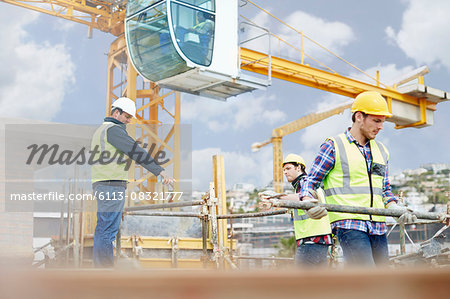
34,78
424,32
253,168
237,113
313,136
332,35
389,74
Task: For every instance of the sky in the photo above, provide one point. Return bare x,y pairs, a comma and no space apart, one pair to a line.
52,71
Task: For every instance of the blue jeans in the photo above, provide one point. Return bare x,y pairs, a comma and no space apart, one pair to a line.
311,255
110,202
362,249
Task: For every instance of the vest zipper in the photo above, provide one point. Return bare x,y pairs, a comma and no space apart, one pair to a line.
370,182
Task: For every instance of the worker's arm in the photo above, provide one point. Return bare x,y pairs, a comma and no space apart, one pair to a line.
120,139
323,164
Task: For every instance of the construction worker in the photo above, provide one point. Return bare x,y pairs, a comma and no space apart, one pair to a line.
109,178
354,170
311,227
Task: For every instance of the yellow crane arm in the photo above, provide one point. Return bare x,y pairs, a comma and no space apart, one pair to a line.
293,126
308,120
101,15
301,123
291,71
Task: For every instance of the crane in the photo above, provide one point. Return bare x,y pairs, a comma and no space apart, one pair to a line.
289,128
159,29
158,23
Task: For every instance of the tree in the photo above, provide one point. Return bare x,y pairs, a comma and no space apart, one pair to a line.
286,247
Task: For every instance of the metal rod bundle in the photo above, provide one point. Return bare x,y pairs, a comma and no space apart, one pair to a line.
250,215
165,205
158,213
360,210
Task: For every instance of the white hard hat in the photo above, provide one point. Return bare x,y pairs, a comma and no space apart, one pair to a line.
127,105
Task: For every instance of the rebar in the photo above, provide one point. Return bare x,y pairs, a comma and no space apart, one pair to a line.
170,214
42,247
250,215
263,232
242,257
165,205
360,210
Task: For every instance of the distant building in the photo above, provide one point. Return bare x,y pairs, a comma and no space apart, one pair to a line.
239,200
243,187
417,171
416,199
436,167
264,232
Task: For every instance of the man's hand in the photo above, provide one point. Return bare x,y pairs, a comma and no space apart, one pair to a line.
292,197
166,179
407,217
317,212
268,199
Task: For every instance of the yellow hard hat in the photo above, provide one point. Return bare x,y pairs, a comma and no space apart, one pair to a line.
371,102
293,158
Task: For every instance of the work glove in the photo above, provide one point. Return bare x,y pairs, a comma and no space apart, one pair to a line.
407,217
317,212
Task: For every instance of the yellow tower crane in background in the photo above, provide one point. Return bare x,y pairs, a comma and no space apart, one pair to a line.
412,106
157,39
289,128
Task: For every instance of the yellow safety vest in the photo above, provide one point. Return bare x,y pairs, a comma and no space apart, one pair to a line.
306,227
115,169
351,183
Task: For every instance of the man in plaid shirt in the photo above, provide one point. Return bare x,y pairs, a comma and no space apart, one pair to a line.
354,170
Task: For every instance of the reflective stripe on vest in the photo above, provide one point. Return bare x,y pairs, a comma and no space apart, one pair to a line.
306,227
348,183
115,169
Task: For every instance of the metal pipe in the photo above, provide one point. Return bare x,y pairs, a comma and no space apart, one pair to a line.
232,265
68,221
249,215
204,241
61,219
263,232
264,258
174,214
214,229
42,247
402,238
165,205
359,210
174,252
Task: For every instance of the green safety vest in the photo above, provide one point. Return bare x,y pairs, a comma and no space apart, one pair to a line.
115,169
350,182
306,227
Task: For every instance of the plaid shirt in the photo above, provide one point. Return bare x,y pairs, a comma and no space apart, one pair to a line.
324,163
326,239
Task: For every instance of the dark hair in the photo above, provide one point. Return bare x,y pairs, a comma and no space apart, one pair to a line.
354,118
116,108
206,15
302,167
